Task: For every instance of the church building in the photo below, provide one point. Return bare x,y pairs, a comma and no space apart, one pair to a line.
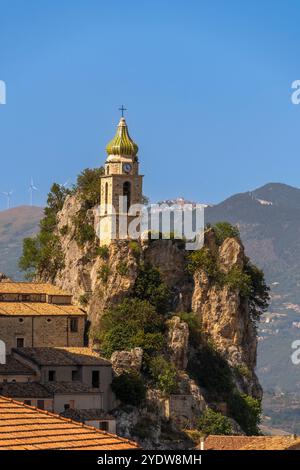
121,185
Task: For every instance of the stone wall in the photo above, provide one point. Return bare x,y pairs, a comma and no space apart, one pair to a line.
39,332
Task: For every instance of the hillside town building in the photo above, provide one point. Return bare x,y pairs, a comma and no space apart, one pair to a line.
37,315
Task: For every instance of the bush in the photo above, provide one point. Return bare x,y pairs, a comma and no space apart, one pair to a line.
132,323
212,372
122,268
225,230
194,325
149,286
164,374
247,412
135,248
212,422
129,388
88,184
104,273
102,251
204,260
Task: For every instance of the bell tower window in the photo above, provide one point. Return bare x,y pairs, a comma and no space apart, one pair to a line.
127,193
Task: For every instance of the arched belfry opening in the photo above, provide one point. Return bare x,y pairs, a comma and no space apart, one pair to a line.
127,193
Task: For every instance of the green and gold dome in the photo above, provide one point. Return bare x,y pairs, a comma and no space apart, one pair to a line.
122,143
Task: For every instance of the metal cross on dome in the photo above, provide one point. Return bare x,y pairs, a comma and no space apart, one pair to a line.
122,109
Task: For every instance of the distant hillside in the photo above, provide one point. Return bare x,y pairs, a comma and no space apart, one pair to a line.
16,224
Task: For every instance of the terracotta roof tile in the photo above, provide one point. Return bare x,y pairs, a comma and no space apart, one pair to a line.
38,308
15,367
62,356
23,427
251,442
31,288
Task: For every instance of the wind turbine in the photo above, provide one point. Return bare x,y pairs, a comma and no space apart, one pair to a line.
8,194
32,188
65,185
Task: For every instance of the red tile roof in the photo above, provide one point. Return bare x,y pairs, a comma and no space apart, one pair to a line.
252,443
24,427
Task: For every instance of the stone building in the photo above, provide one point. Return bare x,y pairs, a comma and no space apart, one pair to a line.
61,380
121,179
36,315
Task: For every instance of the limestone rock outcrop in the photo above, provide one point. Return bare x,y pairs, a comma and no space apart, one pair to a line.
127,361
178,342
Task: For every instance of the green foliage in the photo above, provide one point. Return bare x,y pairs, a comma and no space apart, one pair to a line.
135,248
88,184
213,422
225,230
212,372
247,412
102,251
259,295
42,253
129,388
164,374
104,273
236,278
122,268
243,371
64,230
84,231
149,286
192,319
130,324
206,261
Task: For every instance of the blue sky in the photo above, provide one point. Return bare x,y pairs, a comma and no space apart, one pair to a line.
207,85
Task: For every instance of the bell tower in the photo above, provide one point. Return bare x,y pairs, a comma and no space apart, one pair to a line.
121,179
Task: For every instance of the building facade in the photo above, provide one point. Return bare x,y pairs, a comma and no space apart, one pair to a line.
36,315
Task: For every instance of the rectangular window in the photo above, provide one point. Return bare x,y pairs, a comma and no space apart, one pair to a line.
51,376
72,404
27,402
20,342
103,425
74,325
66,406
75,376
95,379
40,404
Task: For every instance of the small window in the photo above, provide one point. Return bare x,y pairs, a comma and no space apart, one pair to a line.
49,320
25,297
27,402
20,342
51,376
75,376
21,320
103,425
66,406
95,379
74,325
72,404
40,404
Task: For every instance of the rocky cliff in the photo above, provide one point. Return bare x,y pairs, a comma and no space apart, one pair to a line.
100,278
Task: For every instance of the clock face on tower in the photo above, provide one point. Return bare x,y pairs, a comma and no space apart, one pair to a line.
127,167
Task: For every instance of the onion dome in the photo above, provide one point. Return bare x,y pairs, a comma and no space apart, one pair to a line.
122,144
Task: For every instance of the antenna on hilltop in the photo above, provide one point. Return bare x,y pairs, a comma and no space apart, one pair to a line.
8,194
32,188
